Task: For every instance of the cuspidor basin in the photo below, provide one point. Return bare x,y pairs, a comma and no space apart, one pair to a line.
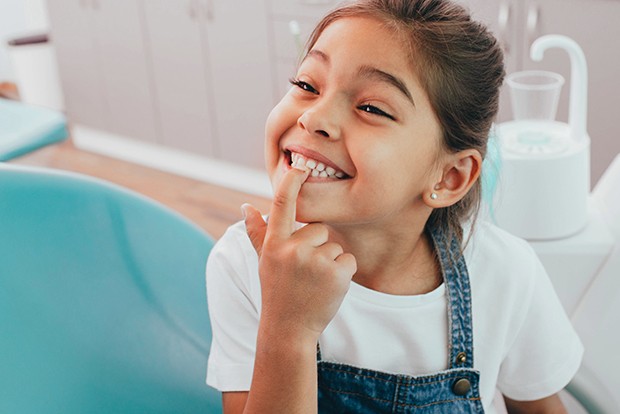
544,180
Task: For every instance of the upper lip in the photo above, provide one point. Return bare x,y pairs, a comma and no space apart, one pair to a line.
308,153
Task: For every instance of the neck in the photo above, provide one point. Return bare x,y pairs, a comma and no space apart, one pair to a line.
398,261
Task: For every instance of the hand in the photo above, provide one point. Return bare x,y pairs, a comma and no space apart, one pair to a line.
303,275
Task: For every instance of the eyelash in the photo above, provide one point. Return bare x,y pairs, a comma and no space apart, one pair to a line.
303,85
371,109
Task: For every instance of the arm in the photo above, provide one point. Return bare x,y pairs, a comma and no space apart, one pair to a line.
304,278
548,405
234,402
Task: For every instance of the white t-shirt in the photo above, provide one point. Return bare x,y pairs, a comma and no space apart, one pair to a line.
524,344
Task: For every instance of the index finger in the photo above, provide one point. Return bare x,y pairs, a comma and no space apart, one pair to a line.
282,215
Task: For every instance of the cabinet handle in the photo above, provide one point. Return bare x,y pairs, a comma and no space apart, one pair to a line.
192,11
503,20
209,10
89,4
532,24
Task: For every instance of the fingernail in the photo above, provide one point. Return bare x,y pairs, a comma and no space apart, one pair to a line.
300,164
244,211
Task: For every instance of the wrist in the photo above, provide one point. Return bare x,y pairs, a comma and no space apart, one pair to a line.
288,338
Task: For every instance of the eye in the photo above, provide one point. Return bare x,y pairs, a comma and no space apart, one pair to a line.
376,111
304,85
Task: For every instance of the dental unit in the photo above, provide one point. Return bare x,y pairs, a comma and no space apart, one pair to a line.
543,195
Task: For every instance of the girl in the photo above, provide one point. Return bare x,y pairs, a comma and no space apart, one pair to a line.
388,299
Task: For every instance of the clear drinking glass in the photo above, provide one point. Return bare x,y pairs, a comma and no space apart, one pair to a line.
534,94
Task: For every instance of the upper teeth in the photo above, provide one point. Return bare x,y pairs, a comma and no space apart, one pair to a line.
317,169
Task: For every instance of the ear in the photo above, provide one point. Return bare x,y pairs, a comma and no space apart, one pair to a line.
460,171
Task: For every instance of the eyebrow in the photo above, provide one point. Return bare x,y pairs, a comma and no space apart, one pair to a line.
318,54
374,73
369,72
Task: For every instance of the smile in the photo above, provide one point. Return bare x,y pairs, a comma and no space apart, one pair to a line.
317,168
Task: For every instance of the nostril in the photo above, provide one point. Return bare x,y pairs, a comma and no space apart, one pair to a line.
322,132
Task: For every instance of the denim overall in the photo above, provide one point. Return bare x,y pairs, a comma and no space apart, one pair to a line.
347,389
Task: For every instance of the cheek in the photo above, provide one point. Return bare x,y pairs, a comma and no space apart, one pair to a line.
280,119
391,165
272,138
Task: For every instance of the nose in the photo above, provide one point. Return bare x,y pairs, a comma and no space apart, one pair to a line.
322,120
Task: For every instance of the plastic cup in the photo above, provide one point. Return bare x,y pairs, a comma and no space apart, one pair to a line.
534,94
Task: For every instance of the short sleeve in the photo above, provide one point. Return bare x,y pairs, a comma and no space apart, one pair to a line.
546,351
233,310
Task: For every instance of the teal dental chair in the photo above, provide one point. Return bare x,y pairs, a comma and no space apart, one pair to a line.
102,300
25,128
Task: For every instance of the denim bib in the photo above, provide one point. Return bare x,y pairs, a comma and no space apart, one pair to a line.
347,389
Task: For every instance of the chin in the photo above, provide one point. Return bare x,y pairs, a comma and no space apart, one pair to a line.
307,215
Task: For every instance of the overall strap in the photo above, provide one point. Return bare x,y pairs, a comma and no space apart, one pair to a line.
458,292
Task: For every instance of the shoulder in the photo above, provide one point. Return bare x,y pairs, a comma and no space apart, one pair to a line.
492,251
487,237
505,273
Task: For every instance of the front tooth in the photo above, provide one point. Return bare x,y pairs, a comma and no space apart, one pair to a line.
315,173
311,164
323,174
300,163
330,171
320,166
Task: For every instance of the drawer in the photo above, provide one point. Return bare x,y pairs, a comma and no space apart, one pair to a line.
307,8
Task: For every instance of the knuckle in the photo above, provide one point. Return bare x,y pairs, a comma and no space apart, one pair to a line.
318,230
280,199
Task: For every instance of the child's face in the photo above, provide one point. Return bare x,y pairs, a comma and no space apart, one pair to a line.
357,107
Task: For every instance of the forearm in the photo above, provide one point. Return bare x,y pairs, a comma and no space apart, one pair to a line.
285,374
549,405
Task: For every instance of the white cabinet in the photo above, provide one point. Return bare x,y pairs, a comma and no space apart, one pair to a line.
242,83
177,46
103,66
78,61
190,74
591,23
211,74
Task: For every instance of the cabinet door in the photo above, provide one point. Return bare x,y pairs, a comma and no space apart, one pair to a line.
177,46
593,24
126,80
78,61
242,88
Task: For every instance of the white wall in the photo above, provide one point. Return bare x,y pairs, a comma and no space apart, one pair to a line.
17,18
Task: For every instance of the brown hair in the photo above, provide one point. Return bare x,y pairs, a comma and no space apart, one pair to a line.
460,65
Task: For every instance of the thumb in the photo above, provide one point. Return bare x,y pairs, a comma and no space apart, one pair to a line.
255,226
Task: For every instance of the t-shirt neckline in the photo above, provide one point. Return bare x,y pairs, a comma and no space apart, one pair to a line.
395,301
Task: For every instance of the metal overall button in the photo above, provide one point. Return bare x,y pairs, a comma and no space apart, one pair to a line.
461,386
461,357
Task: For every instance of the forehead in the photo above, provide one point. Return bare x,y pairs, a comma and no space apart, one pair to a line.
365,40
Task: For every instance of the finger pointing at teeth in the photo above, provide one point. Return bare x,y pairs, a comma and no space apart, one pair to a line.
283,211
284,206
